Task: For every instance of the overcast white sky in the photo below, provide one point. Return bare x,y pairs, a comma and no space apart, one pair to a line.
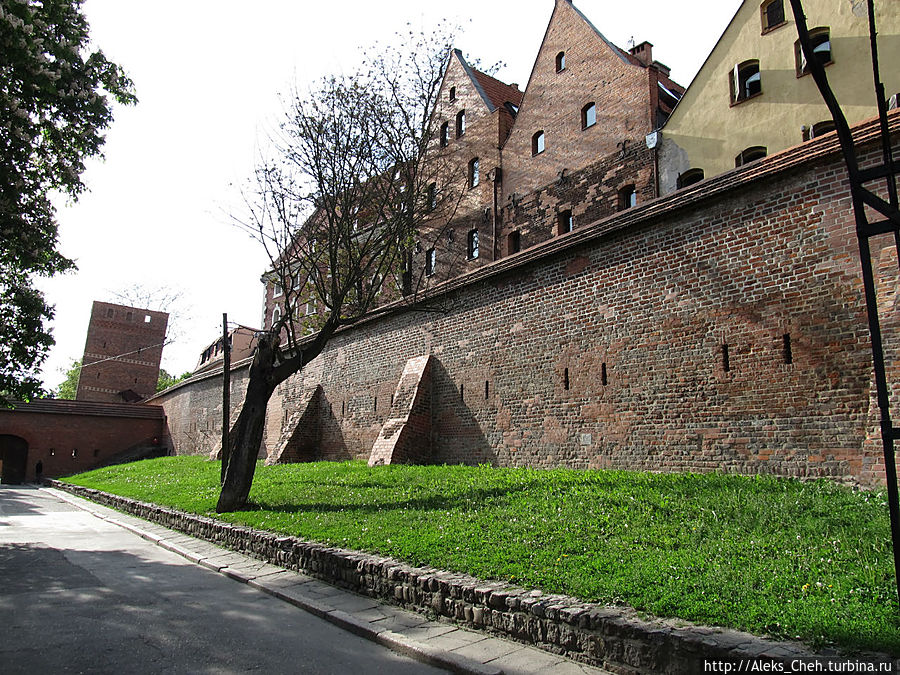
208,74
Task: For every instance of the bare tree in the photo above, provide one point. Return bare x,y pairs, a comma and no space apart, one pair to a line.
337,209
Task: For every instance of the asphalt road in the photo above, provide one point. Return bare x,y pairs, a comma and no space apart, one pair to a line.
81,595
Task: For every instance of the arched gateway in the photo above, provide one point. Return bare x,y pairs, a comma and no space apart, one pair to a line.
13,459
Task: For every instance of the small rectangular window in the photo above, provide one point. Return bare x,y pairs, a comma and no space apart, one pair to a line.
513,242
474,177
460,123
627,197
564,222
430,262
588,116
472,244
772,14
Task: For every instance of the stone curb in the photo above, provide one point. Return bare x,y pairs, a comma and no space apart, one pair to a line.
613,638
396,642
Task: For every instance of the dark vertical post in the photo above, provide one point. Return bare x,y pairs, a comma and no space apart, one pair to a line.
864,230
226,395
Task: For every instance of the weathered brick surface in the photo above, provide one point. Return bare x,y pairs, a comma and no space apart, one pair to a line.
406,435
589,194
68,437
634,313
614,638
122,352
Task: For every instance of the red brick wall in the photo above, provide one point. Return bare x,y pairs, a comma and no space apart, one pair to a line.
589,194
634,313
122,351
72,436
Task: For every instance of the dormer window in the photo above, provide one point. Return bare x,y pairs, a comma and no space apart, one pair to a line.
689,177
537,143
452,93
772,14
560,62
445,134
588,115
821,128
460,123
750,154
817,129
745,81
821,44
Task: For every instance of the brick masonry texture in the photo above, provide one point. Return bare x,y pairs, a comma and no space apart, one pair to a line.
613,638
73,436
721,328
122,352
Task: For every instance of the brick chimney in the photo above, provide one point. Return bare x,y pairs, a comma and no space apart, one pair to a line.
643,52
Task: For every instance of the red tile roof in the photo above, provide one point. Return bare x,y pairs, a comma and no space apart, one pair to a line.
498,92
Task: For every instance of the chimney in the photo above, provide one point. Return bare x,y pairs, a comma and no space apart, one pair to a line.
643,52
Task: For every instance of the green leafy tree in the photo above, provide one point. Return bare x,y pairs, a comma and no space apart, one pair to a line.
54,108
69,386
165,380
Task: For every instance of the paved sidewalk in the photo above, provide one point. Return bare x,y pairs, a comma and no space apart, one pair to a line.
441,644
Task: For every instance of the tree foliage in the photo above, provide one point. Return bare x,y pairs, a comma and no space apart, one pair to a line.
337,208
165,380
54,108
69,386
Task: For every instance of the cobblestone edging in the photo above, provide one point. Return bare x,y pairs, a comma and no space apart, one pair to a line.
613,638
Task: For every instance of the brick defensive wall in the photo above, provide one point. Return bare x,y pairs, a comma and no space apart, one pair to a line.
722,327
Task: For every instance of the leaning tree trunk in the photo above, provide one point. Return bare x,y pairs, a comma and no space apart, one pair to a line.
266,372
246,436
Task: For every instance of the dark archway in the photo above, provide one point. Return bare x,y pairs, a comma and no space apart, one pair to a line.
13,459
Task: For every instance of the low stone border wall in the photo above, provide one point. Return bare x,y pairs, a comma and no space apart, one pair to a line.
613,638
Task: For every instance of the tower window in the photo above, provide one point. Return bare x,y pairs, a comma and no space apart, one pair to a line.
513,242
588,115
452,93
445,134
460,123
745,81
772,14
537,143
472,244
560,62
750,155
627,197
564,222
474,178
821,44
430,262
431,196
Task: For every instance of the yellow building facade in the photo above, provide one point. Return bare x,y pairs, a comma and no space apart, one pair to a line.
754,95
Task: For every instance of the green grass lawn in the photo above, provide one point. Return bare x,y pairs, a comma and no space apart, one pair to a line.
808,560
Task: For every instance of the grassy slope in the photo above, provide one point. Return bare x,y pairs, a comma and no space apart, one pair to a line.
772,556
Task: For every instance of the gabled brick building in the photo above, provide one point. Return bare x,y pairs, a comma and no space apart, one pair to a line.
575,152
523,167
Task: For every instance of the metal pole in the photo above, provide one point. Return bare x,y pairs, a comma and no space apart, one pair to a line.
226,396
